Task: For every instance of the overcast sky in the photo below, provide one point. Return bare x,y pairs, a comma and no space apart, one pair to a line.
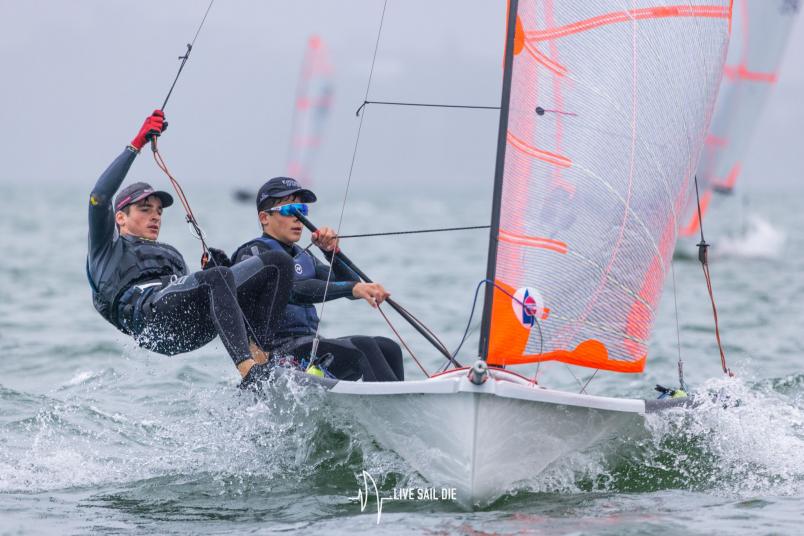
80,76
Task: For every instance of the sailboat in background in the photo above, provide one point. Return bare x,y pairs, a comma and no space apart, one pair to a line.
603,115
311,111
312,105
760,30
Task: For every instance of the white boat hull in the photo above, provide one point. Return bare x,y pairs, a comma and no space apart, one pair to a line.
485,439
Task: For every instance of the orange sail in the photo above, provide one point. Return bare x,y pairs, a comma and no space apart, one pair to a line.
597,153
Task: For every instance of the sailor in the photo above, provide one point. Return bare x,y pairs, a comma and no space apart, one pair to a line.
143,288
377,358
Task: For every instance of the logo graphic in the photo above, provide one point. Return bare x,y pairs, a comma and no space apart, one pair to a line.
290,183
298,268
399,494
363,495
528,306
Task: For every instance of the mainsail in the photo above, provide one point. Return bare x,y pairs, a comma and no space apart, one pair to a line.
759,34
605,108
313,102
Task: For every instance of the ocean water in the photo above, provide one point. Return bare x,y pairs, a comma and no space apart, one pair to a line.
100,437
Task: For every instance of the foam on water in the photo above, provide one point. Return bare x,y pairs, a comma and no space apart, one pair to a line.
742,439
760,239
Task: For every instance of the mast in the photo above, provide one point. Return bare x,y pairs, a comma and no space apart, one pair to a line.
498,177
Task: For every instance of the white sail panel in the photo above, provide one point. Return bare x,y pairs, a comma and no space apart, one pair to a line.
313,102
760,29
610,102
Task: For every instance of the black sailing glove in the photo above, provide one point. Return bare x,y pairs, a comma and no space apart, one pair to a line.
217,257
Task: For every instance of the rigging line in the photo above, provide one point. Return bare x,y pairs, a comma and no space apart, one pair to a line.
398,336
160,162
198,31
681,382
198,232
583,389
190,216
186,55
700,219
420,231
471,314
703,257
314,347
569,369
416,322
424,105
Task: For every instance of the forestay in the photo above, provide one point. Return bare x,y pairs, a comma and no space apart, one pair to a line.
760,29
609,105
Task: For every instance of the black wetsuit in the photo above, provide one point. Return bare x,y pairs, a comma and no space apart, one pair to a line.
378,358
142,287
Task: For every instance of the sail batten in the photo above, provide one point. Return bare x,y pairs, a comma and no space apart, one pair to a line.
606,117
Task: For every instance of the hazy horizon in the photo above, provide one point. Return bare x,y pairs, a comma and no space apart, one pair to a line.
82,76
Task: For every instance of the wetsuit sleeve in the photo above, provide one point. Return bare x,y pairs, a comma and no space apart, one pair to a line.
313,290
310,291
101,213
340,272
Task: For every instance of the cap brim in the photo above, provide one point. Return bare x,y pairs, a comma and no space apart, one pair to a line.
305,196
165,197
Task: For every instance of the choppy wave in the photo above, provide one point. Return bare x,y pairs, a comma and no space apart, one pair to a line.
741,439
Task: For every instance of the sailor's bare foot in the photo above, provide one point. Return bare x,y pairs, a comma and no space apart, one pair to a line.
257,353
244,366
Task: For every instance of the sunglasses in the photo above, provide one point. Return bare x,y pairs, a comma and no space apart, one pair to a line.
291,209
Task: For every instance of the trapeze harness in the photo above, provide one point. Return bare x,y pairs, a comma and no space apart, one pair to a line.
298,319
139,264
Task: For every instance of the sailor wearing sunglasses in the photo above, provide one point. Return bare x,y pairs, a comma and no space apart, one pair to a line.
372,358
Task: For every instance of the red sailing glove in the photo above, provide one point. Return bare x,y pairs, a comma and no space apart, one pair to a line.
153,126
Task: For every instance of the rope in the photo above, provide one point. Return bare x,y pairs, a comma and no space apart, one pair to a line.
472,313
703,257
583,389
681,382
726,369
398,336
351,170
424,105
198,31
420,231
160,162
186,55
423,326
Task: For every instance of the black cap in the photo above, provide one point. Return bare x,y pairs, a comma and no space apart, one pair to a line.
280,187
137,192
